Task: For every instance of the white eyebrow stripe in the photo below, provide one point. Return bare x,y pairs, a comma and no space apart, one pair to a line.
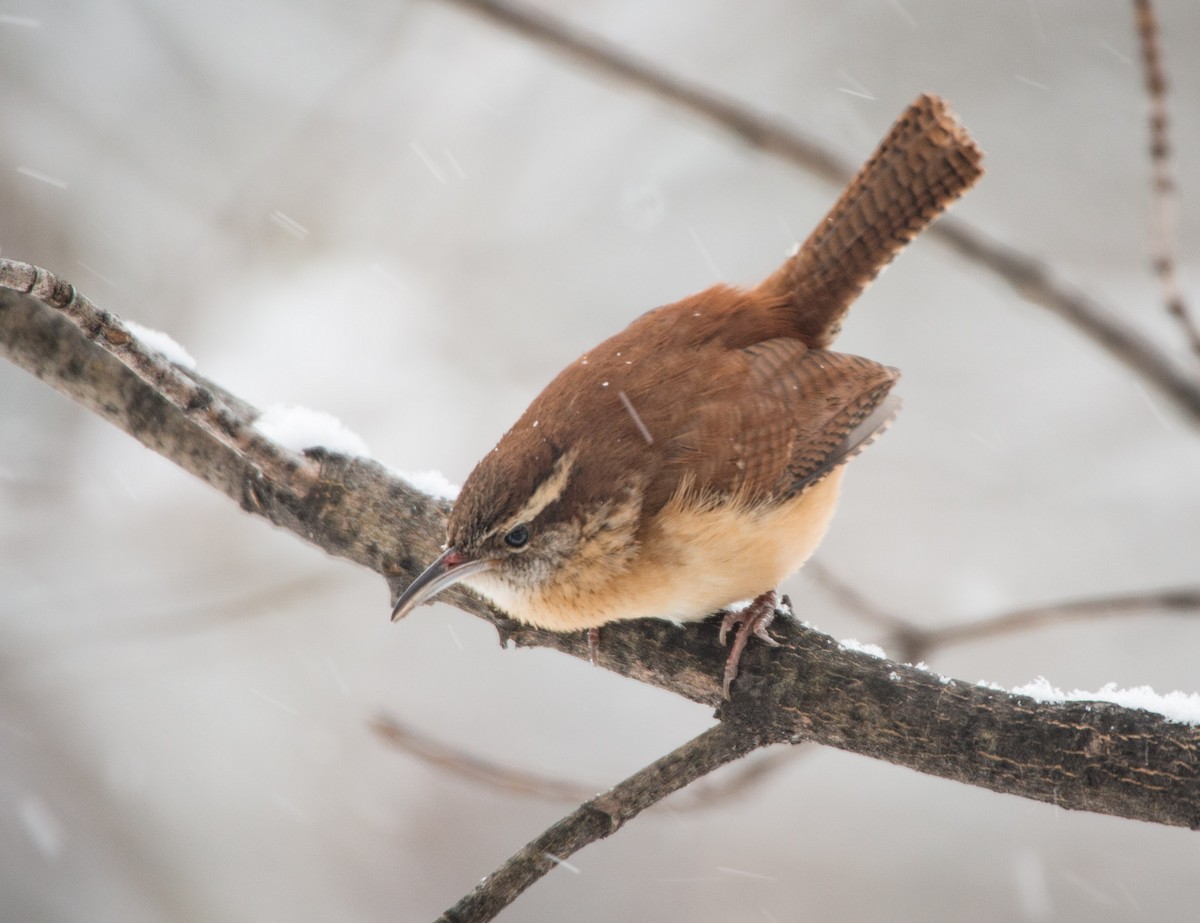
546,492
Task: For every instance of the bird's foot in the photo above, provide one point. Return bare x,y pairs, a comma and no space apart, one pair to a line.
594,646
753,620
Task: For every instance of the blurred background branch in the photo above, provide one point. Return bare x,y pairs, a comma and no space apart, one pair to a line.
1163,190
1029,276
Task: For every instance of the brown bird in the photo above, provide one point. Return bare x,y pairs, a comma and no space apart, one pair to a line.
694,459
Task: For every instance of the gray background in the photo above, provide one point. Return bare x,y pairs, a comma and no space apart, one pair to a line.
184,693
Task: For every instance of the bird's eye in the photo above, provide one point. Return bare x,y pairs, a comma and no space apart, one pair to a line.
517,537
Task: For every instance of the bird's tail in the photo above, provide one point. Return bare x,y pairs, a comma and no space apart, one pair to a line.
926,162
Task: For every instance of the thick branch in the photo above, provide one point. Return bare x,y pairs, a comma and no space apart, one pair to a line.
603,816
1031,278
1088,756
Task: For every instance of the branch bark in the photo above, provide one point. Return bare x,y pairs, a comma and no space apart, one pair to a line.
1086,756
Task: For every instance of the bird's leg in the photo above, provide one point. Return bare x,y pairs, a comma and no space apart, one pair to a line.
594,646
753,620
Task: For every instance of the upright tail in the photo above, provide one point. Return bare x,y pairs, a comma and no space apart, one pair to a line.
926,162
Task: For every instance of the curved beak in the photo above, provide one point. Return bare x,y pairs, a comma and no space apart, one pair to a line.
450,567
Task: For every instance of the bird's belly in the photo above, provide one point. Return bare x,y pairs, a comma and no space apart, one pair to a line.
693,562
712,558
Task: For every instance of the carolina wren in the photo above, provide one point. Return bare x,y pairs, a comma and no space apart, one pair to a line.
694,459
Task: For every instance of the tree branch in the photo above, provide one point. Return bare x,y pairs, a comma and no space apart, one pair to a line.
603,816
1087,756
1031,279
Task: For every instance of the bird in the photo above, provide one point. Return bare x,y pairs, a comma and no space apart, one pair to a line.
693,461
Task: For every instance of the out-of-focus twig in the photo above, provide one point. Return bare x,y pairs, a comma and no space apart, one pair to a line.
1164,190
1148,602
913,642
476,768
1027,275
855,601
751,127
523,782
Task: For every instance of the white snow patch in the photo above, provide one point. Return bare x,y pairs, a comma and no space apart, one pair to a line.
944,680
431,482
1179,707
162,344
299,428
872,650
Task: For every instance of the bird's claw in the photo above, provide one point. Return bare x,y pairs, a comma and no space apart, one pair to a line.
751,621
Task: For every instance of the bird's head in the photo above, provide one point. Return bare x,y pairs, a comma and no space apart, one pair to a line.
530,516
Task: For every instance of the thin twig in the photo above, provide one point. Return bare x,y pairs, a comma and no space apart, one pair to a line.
855,601
602,816
1164,190
475,768
1186,599
913,642
1027,275
753,128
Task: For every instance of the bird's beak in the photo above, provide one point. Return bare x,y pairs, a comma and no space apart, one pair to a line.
450,567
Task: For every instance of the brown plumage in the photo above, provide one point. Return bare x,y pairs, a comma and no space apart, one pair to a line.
693,459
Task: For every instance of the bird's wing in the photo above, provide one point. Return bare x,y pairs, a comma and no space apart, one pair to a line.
778,417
